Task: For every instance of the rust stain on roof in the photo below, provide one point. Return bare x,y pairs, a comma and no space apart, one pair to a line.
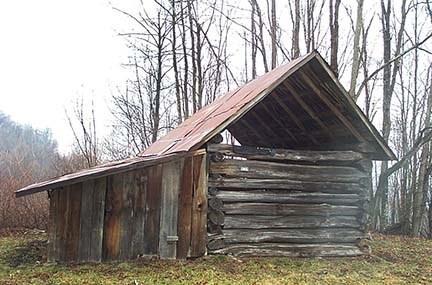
192,132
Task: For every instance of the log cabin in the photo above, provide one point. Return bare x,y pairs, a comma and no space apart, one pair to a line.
296,183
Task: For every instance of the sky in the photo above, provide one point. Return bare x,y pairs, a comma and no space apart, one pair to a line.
55,51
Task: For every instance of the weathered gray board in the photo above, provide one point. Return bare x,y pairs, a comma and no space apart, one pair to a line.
169,209
286,203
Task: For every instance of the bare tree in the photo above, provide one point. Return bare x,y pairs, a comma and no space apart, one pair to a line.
83,127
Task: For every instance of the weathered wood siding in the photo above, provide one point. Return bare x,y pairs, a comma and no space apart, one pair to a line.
265,202
155,211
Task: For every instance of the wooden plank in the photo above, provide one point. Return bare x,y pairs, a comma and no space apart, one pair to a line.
252,130
308,236
332,107
52,253
199,208
73,229
264,125
276,209
285,184
169,209
126,214
293,117
291,250
264,169
139,201
185,209
289,222
84,246
151,223
62,223
278,121
261,153
98,215
292,91
112,223
290,197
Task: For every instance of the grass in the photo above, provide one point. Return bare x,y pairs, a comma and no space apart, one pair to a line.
395,260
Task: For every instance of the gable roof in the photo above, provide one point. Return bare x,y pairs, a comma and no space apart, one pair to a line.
230,112
299,105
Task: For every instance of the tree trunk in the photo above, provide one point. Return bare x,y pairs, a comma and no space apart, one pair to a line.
334,35
295,48
273,34
174,58
356,49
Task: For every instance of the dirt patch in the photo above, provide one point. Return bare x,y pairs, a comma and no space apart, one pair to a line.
31,252
19,232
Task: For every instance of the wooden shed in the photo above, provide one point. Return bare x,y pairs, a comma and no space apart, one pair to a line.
297,183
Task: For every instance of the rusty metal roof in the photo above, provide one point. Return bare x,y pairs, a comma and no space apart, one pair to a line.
231,109
215,117
226,110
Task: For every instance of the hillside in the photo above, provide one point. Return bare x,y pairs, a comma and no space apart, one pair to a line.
395,260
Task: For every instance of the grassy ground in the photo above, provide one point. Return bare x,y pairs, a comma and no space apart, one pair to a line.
395,260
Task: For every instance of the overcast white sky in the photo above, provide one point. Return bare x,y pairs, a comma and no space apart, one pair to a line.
52,51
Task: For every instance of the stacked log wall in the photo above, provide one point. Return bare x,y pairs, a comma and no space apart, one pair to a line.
269,202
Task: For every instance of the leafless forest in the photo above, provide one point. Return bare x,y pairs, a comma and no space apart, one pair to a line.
186,53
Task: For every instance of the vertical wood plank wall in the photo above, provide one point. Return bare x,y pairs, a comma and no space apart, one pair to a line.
159,210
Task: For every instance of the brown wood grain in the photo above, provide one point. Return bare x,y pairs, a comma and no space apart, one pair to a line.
52,254
185,209
112,223
126,214
152,217
84,246
62,222
73,228
98,216
199,207
139,211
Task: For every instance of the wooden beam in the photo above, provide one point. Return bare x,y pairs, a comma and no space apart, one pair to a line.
331,106
263,169
284,154
293,117
284,184
252,130
290,250
289,197
286,222
292,91
266,127
274,209
278,121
